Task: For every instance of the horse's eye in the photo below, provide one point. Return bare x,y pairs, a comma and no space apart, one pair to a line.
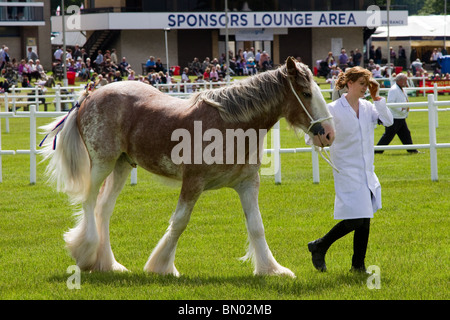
306,94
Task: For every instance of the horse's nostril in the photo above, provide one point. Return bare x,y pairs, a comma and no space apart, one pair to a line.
328,137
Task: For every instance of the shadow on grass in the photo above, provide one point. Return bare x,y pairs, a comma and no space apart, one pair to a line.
304,286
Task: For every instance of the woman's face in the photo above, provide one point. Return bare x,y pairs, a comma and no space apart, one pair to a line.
357,88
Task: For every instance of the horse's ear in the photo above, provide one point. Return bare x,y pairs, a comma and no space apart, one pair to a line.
291,66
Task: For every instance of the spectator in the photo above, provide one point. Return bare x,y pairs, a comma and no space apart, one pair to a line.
40,70
214,75
330,59
196,67
392,54
58,54
114,58
251,66
264,61
100,81
159,66
124,67
83,72
32,55
417,66
376,73
77,53
343,59
205,64
151,64
378,55
398,95
84,55
206,74
131,76
434,60
371,65
162,77
118,76
372,52
401,57
32,71
98,62
357,57
184,76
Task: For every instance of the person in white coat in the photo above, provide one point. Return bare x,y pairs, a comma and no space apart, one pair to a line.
358,191
400,127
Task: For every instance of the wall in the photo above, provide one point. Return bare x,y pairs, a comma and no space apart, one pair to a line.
137,49
352,38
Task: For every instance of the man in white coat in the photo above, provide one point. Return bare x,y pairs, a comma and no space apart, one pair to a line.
358,191
400,128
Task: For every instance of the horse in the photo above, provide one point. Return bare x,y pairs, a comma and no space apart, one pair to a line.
92,150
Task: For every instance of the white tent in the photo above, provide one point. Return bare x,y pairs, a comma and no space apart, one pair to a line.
425,27
421,36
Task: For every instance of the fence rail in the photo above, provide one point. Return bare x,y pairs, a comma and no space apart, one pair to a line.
11,101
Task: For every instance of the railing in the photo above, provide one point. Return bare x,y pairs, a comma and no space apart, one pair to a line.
21,12
432,106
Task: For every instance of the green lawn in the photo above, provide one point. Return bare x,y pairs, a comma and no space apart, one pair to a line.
409,237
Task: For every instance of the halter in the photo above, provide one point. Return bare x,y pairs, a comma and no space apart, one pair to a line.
327,157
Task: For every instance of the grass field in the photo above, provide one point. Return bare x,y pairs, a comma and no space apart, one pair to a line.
409,238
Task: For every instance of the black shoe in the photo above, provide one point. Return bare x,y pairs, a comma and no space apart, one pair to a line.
360,270
318,255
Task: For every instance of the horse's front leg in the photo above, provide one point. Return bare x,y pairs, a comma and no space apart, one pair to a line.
258,249
163,256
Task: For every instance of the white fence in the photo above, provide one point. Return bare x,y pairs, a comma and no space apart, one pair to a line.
13,100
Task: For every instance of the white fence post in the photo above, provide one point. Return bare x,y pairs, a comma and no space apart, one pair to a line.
134,176
432,136
33,143
57,100
276,151
6,110
436,99
315,165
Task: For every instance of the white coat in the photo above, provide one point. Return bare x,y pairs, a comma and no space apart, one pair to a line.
358,191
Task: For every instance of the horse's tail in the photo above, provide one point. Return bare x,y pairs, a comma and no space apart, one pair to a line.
69,165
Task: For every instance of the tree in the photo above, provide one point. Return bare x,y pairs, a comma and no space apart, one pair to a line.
55,3
432,7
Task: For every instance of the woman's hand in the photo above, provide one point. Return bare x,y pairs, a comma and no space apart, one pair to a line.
374,89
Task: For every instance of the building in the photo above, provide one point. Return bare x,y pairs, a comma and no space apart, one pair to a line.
25,24
418,38
308,29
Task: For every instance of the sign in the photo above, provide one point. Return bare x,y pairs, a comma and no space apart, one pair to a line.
254,35
290,19
236,20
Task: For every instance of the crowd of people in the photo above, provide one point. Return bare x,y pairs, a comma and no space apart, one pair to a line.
24,71
245,62
331,67
106,67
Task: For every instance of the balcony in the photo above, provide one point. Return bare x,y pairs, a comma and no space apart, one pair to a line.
22,14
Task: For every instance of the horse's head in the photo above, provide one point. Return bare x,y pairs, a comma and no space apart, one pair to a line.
306,108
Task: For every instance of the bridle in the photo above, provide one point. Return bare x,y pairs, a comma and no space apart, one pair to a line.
313,122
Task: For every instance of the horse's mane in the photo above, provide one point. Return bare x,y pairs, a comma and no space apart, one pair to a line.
244,100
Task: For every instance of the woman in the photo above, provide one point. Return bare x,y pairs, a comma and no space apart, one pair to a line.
358,191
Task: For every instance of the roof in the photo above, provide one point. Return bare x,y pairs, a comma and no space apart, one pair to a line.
72,38
418,26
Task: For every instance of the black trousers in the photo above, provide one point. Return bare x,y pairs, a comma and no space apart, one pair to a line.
360,238
399,128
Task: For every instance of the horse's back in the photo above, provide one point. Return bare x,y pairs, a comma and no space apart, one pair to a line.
132,118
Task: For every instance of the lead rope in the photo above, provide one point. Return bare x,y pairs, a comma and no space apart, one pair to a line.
325,157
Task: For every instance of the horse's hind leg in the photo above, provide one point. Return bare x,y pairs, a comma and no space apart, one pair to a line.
83,240
163,256
258,250
103,210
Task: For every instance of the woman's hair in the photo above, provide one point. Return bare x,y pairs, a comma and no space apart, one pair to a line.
352,74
